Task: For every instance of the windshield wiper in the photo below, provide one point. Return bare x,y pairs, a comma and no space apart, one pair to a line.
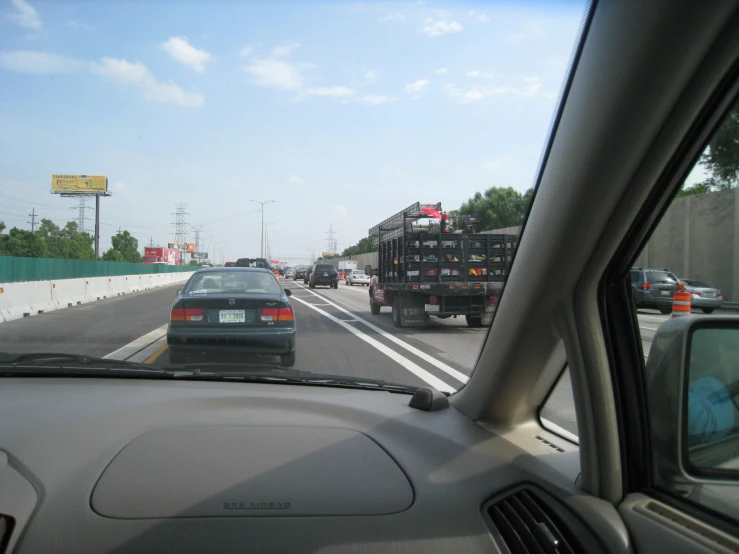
80,365
46,364
292,377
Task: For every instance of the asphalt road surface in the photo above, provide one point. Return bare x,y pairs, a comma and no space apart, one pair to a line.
336,335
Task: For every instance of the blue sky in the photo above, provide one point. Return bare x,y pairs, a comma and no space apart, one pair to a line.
343,113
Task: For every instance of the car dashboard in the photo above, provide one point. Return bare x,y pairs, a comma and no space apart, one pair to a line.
134,465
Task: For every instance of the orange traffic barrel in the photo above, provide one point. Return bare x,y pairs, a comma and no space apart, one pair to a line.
681,302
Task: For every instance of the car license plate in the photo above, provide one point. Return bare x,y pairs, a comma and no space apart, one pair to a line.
433,307
710,294
665,293
325,274
232,316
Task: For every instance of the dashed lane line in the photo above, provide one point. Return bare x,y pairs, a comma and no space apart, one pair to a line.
458,375
417,370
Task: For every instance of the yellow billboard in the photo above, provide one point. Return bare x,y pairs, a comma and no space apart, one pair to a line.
72,184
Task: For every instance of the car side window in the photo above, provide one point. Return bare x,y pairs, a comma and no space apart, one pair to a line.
695,244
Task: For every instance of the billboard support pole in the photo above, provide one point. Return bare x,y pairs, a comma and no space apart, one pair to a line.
97,226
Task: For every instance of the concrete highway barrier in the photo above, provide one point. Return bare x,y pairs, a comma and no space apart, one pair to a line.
29,298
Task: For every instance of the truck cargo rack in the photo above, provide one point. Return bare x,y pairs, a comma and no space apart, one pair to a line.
401,223
445,258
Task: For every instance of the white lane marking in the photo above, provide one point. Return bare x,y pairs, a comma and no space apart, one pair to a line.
650,328
125,352
417,370
557,430
459,376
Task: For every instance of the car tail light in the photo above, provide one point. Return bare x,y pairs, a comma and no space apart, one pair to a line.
433,300
720,294
193,314
286,314
178,314
270,314
696,292
646,286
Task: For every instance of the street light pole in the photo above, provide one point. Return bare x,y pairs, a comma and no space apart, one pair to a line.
261,254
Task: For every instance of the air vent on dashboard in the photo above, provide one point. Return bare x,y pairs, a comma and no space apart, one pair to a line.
527,525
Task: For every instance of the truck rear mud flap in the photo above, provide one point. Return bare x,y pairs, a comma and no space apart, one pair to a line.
413,311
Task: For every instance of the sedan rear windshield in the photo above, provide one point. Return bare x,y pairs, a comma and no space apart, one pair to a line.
660,277
238,282
699,284
324,268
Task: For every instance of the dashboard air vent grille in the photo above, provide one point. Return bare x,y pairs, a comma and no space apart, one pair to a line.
527,525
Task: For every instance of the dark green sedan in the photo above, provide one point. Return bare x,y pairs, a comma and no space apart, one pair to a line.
237,311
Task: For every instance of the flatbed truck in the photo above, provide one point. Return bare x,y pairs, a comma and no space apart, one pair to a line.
423,273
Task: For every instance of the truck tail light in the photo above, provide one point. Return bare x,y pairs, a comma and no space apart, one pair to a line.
493,299
178,314
270,314
433,300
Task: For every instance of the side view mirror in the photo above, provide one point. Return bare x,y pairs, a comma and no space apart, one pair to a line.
368,269
288,292
179,292
693,390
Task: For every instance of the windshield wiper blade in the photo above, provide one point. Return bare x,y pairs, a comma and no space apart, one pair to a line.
72,362
292,376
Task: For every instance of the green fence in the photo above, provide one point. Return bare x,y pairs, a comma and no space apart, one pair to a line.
14,269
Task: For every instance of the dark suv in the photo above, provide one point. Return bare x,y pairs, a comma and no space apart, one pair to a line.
324,274
653,288
253,262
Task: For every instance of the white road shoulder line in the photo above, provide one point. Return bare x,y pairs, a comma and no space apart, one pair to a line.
417,370
125,352
459,376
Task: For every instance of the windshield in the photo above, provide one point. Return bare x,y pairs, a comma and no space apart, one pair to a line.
385,152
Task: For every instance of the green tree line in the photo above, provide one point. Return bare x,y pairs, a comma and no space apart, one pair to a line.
68,242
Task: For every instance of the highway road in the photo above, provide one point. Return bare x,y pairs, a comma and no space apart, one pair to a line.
336,335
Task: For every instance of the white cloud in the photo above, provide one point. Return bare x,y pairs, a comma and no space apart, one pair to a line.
528,31
269,72
526,87
476,73
415,88
120,186
394,17
285,49
182,51
137,74
295,180
39,63
375,99
439,28
479,17
369,77
441,71
78,25
246,51
331,91
25,15
341,211
170,93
